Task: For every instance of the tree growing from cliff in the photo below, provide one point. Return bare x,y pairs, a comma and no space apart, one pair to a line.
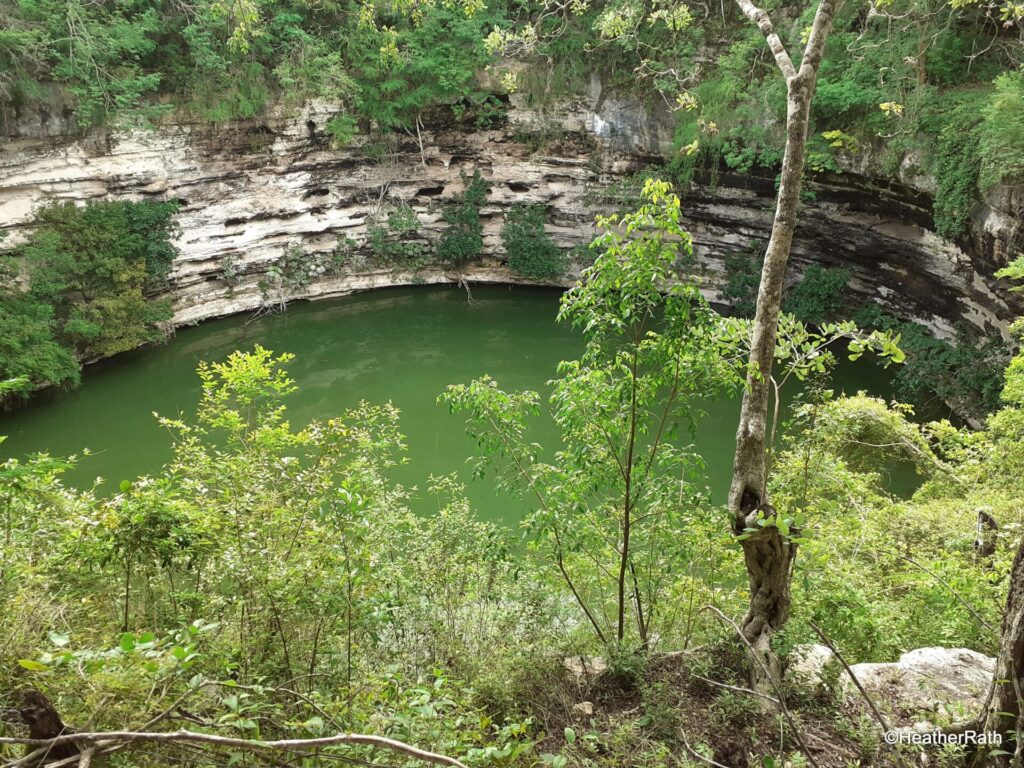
768,551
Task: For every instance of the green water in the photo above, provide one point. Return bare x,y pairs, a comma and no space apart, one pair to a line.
404,345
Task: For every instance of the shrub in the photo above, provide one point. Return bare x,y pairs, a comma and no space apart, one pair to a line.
956,167
742,279
819,295
342,129
85,275
463,240
1002,131
391,243
967,372
531,251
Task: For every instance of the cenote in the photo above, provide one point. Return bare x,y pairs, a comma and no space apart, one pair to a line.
403,345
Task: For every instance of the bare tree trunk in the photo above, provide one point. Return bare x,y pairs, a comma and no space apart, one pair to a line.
768,554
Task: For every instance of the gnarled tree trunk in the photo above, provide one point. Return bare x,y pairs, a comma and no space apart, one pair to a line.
1004,714
768,554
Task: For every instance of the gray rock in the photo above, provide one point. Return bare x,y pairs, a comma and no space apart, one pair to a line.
584,708
807,662
254,189
932,679
585,667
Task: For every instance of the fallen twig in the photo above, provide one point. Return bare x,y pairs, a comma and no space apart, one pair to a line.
115,737
849,671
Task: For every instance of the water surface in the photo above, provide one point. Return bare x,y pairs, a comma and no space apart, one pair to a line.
402,344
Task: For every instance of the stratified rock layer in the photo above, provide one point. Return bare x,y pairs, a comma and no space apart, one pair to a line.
252,190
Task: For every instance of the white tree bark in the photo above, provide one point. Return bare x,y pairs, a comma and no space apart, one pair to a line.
768,554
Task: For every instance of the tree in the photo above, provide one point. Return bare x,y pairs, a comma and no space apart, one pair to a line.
612,506
768,553
80,287
1002,464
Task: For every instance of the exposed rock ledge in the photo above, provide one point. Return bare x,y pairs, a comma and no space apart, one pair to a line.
252,190
951,682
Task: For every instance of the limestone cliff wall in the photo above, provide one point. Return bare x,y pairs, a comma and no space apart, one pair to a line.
251,190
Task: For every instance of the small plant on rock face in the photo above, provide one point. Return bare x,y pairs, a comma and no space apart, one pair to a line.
342,129
342,254
230,271
531,251
390,242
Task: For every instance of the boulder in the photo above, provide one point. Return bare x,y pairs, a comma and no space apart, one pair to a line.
585,668
953,680
807,662
932,679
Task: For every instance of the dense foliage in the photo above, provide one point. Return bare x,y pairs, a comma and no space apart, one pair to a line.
531,251
965,373
384,63
819,295
464,237
77,288
931,85
271,582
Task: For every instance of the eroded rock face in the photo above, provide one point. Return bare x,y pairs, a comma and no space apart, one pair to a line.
252,190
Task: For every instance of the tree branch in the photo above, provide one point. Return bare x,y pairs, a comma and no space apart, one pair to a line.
816,40
764,23
849,671
226,741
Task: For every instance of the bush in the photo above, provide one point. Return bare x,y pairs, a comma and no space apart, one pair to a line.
464,238
742,280
342,129
531,251
956,163
391,241
1002,131
819,295
966,373
86,275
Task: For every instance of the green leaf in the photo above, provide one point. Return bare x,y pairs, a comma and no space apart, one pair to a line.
33,666
570,735
58,639
127,642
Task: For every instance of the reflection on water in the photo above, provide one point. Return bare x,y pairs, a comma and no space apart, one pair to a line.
404,345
